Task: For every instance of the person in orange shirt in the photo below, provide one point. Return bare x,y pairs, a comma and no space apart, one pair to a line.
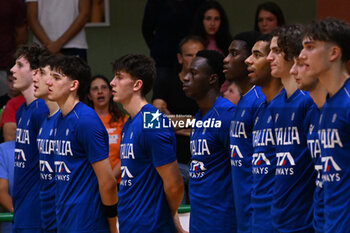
99,97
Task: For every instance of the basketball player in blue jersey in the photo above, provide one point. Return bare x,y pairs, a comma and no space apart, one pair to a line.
325,52
29,117
264,140
242,125
318,93
295,177
151,186
86,193
46,147
210,186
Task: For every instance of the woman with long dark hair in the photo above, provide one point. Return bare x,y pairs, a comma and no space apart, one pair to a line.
99,97
212,25
268,16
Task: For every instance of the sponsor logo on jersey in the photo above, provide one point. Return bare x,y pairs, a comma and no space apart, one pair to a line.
20,158
285,163
236,156
197,169
331,170
46,172
62,171
126,176
260,164
318,169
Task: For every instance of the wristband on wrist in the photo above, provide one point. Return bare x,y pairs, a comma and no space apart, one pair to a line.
111,211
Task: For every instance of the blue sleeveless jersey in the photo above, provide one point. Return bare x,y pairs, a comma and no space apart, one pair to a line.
314,146
210,185
334,136
46,147
147,142
295,174
26,187
241,155
81,140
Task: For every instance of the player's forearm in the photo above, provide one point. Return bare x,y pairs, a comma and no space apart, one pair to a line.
21,35
78,23
108,192
174,195
34,24
9,131
116,171
6,201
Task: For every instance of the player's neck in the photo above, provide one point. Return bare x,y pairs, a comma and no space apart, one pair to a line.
52,106
334,78
134,105
272,88
244,84
318,95
67,104
289,84
29,94
207,101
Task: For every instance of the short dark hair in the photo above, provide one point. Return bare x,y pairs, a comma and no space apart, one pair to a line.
139,67
48,60
250,37
75,69
32,54
192,38
265,38
331,30
290,40
215,62
274,9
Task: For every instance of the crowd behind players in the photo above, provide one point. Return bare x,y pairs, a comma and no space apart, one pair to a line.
272,159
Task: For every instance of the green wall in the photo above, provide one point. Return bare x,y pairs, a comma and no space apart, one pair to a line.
124,33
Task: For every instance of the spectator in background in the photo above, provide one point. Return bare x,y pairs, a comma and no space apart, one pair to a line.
13,92
268,16
99,97
59,25
164,24
212,25
7,164
8,118
13,32
233,93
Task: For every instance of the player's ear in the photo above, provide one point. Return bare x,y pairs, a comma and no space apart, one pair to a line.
335,53
138,85
74,85
213,78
